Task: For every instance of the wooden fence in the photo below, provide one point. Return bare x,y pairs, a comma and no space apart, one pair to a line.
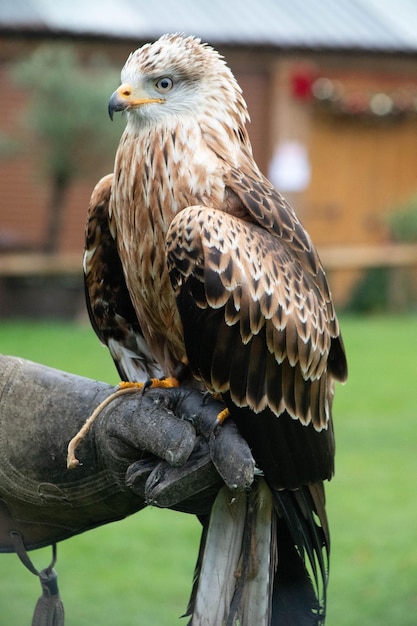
333,258
39,285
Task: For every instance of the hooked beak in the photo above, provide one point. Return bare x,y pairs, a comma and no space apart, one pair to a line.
122,99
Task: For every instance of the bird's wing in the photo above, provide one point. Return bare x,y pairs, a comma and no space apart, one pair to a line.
258,324
272,212
260,329
108,301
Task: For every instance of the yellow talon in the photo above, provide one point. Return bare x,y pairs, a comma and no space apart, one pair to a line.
223,415
152,383
164,383
128,385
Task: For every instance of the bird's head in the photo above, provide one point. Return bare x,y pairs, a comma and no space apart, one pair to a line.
178,76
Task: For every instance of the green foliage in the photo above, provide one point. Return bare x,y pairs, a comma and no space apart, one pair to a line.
370,294
67,108
403,222
66,121
383,289
9,146
139,571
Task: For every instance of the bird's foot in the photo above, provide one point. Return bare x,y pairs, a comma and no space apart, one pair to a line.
132,386
223,415
168,382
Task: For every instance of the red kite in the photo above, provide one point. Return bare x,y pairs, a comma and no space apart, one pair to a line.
197,268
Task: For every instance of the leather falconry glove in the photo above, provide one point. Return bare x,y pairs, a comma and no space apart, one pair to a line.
161,448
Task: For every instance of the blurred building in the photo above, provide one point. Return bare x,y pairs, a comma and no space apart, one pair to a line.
330,84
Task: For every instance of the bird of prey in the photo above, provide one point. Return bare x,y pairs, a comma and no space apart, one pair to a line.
197,268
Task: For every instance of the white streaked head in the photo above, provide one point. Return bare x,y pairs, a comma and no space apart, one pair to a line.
178,76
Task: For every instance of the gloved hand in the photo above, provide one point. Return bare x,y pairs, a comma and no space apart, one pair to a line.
163,447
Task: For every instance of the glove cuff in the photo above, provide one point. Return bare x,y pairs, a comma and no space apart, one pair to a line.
39,497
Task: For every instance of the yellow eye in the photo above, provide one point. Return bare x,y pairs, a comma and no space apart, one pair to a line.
164,84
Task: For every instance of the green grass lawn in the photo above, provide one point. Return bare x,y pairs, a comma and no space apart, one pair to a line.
139,571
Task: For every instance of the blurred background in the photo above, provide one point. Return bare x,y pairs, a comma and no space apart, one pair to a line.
332,93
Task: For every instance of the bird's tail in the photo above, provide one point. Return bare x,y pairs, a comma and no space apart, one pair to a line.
263,559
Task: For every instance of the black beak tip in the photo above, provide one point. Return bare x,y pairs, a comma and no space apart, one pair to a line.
115,104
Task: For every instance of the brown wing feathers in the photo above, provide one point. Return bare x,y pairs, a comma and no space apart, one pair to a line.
271,211
108,301
271,340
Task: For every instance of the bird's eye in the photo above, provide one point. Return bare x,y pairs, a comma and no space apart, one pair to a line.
164,84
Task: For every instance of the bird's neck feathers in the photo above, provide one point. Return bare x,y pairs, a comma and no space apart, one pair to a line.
196,151
156,155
